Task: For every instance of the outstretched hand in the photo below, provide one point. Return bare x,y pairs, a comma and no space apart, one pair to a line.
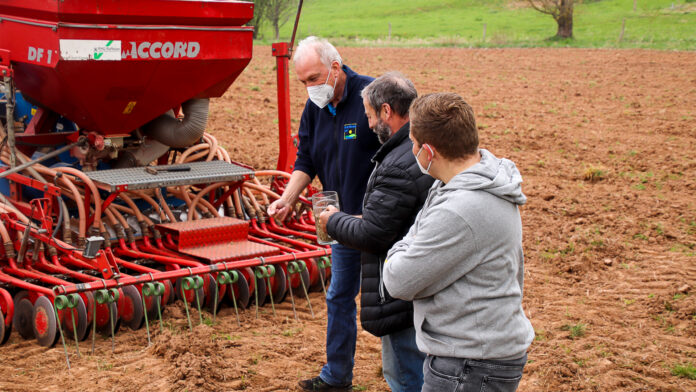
279,209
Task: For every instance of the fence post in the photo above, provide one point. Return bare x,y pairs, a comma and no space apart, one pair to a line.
390,31
623,28
484,31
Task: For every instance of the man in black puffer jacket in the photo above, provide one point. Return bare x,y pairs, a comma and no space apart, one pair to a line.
395,193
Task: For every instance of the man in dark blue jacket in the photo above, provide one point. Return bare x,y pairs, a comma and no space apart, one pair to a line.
395,193
336,144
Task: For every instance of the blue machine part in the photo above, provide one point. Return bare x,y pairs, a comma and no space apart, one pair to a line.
24,112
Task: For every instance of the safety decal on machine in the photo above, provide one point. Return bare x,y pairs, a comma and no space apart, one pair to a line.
350,131
90,49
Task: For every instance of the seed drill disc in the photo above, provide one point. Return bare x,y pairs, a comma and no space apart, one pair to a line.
169,292
104,315
279,285
262,288
23,316
151,306
241,292
81,321
211,294
88,298
297,284
131,310
4,330
20,295
45,324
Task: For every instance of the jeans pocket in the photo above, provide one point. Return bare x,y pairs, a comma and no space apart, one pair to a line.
500,384
437,381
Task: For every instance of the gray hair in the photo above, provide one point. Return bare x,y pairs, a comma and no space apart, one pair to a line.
327,53
391,88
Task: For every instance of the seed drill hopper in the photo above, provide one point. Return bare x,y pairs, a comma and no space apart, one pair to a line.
114,200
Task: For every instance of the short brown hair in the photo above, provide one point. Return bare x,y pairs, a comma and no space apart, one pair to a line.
446,122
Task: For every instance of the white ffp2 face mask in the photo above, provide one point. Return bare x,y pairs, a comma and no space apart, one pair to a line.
321,94
423,169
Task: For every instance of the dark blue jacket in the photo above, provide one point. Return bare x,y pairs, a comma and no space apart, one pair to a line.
338,148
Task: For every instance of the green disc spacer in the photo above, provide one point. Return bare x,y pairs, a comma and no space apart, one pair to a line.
148,289
293,268
197,282
303,265
324,262
159,288
113,295
102,296
61,302
271,271
260,272
223,277
73,300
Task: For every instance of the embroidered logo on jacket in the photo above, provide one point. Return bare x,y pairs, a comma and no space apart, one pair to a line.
350,131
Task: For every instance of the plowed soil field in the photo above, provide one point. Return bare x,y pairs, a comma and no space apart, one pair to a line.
606,143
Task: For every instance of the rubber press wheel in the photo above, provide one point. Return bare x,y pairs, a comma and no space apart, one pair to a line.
4,330
23,318
81,320
131,309
45,323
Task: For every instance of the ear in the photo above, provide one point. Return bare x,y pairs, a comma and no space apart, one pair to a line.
335,66
430,150
387,110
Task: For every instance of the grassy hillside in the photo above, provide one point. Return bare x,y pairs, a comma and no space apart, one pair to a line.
659,24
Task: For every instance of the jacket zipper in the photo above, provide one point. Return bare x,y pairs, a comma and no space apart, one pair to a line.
337,169
382,296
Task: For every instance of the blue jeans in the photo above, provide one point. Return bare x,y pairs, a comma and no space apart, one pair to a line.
402,362
342,327
466,375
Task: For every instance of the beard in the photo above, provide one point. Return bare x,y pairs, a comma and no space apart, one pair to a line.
382,131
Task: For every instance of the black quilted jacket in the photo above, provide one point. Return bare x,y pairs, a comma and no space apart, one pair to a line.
395,193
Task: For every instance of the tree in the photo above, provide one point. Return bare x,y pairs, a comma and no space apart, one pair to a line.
260,7
561,11
278,12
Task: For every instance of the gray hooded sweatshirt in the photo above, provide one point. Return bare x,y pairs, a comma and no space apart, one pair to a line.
461,264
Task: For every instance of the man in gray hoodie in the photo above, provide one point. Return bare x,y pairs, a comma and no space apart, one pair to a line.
461,262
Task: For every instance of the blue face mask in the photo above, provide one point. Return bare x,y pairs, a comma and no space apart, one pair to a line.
423,169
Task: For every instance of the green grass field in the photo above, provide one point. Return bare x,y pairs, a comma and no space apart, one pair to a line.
657,24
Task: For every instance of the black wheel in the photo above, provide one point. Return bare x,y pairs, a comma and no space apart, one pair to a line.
132,312
23,318
45,323
4,330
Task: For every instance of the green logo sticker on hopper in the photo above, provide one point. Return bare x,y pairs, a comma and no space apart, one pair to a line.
90,49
